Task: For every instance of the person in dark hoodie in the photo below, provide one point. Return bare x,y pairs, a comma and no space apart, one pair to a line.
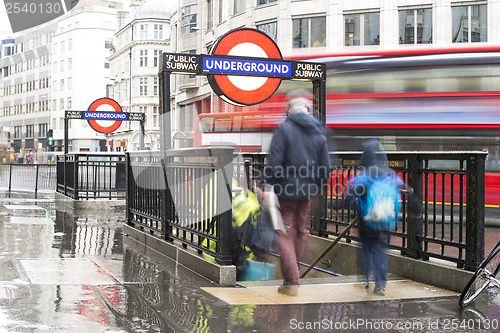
373,164
298,165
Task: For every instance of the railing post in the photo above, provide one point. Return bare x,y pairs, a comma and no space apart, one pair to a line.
474,251
10,178
414,218
128,184
166,201
224,174
36,181
65,173
75,179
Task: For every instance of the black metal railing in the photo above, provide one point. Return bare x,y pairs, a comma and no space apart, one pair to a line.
449,184
91,176
28,177
196,208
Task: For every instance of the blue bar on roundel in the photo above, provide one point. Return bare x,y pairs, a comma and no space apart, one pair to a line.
247,66
99,115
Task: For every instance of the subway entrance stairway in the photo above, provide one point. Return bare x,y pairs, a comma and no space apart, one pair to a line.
63,271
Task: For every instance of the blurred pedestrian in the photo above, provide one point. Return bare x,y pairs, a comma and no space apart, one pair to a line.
377,193
298,165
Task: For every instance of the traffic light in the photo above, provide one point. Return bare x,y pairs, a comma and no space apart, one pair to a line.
50,137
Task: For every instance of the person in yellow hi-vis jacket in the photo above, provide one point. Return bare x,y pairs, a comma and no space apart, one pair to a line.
252,235
244,206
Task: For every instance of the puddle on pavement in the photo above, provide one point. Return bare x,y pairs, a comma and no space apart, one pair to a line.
89,281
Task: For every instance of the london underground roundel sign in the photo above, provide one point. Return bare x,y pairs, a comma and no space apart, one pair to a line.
105,104
245,90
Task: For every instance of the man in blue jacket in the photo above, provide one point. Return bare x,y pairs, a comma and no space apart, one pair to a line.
298,165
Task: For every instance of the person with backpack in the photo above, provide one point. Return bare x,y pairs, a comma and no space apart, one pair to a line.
376,190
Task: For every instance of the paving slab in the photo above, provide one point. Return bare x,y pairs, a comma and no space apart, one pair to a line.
327,293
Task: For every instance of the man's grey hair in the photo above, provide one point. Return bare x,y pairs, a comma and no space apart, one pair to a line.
298,105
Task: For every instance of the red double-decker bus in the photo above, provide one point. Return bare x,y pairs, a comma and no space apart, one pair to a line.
412,99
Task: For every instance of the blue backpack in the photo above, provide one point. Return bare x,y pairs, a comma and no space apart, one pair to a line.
381,207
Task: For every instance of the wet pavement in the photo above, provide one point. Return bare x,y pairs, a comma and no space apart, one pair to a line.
66,273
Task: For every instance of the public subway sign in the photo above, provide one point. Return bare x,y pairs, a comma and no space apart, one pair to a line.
101,119
181,63
244,67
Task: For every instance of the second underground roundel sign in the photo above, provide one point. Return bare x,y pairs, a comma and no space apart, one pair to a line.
105,104
245,90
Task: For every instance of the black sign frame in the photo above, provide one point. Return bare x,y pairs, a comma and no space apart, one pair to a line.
76,114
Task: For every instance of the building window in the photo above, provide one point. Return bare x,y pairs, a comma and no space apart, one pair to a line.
30,131
210,14
415,22
222,11
265,2
70,44
54,85
69,102
17,132
143,30
62,46
70,63
156,56
469,24
158,31
108,43
271,29
239,6
362,29
143,86
42,130
155,116
155,86
188,19
61,84
143,58
70,83
309,32
62,65
61,103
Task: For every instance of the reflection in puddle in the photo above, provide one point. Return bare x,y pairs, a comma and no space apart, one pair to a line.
143,293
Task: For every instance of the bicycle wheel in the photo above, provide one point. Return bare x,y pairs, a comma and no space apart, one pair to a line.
492,263
487,270
476,285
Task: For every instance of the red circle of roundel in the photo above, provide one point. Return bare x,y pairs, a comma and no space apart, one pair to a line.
113,125
221,83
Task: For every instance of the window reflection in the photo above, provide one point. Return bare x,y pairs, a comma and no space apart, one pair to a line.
309,32
271,29
362,29
415,22
469,24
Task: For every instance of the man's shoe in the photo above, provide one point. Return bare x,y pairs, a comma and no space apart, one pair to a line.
379,291
290,290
